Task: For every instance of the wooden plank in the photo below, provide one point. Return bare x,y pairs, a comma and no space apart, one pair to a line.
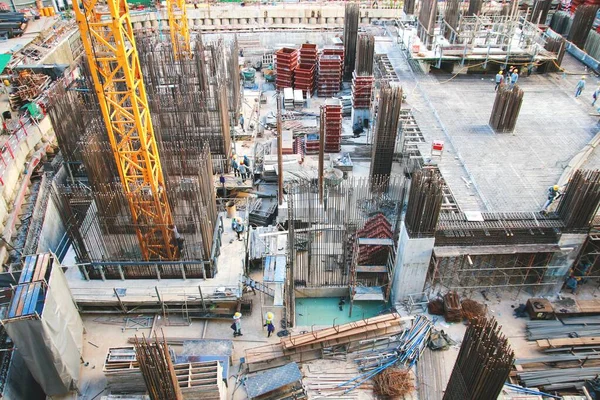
568,342
38,263
33,292
28,269
299,340
17,297
40,271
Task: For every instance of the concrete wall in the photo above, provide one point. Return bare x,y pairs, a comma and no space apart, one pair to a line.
330,291
66,51
561,263
285,16
412,262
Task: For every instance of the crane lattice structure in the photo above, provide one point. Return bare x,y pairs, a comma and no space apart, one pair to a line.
109,43
179,28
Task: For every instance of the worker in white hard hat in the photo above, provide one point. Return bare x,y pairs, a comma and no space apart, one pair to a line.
553,194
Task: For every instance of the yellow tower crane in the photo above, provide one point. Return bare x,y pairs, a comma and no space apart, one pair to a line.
108,40
179,28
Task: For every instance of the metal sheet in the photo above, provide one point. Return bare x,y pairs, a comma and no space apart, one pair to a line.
273,379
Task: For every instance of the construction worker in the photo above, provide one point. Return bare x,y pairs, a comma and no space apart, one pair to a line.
177,239
222,182
595,95
499,79
242,122
235,166
269,323
237,325
572,283
514,77
580,86
238,226
243,171
553,194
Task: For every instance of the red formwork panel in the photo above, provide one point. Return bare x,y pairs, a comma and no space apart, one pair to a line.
362,87
286,62
330,74
333,125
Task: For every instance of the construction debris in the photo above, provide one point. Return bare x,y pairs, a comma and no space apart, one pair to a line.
472,309
394,382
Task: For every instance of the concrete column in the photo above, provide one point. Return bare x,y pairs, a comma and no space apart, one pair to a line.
207,21
155,24
312,21
225,21
412,263
137,25
294,21
561,263
216,21
364,20
287,20
339,20
268,20
241,21
277,20
261,21
147,24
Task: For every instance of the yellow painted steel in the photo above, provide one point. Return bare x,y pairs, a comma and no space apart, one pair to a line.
108,40
179,28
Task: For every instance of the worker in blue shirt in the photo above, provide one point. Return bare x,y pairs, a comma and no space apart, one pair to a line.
580,86
514,77
499,79
553,194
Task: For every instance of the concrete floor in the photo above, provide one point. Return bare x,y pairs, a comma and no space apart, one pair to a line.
500,172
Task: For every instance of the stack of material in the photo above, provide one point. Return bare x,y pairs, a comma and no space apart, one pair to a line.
506,108
333,125
298,147
474,7
386,130
409,7
376,227
305,74
28,87
561,22
452,309
472,309
157,369
330,72
201,380
12,24
286,60
346,105
583,20
306,347
553,329
362,78
556,45
311,143
122,370
350,35
483,364
539,14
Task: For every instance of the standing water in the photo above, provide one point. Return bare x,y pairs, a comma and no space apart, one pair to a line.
324,310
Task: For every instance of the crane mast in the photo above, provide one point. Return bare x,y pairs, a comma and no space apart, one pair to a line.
179,28
109,43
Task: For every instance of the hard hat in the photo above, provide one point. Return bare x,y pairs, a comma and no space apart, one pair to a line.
237,315
234,156
500,72
270,316
555,187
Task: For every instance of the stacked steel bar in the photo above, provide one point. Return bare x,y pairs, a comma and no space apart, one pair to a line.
556,45
424,202
409,7
286,62
330,72
157,369
350,34
386,130
362,79
332,113
584,18
483,364
305,74
580,201
506,108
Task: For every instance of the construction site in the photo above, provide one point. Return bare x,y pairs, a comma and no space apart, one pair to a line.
300,200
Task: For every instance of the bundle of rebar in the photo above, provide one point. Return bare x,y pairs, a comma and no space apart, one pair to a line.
157,369
539,13
592,45
474,7
558,45
365,52
472,309
584,18
351,17
424,202
386,129
409,7
507,105
483,364
427,18
451,15
579,203
452,309
394,382
561,22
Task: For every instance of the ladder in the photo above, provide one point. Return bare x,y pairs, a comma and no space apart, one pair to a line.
261,287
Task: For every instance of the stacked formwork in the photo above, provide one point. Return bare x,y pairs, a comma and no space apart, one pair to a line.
362,87
305,74
286,62
333,125
331,64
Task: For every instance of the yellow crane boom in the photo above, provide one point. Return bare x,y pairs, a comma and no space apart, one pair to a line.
179,28
107,35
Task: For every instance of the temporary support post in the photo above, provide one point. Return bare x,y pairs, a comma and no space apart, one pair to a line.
279,152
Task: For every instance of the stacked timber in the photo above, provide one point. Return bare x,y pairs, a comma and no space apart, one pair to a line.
506,108
122,370
197,380
309,346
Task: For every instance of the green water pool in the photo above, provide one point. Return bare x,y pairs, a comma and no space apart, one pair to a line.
323,311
